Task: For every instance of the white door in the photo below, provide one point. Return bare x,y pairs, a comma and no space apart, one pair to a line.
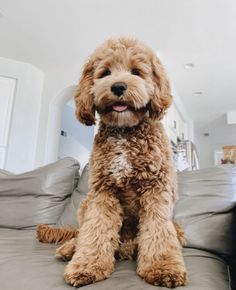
7,89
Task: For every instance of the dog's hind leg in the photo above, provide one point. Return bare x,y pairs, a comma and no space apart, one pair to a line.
127,250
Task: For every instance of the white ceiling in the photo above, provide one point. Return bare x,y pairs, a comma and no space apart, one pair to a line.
62,33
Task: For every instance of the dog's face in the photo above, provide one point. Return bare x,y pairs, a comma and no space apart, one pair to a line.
124,82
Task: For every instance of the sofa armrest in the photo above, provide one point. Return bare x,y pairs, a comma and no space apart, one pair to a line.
38,196
5,173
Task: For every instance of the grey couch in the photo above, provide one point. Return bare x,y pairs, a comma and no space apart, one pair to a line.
51,195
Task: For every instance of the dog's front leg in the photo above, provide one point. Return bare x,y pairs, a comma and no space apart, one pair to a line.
97,241
160,260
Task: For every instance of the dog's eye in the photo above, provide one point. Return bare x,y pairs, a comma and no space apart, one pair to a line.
135,72
105,73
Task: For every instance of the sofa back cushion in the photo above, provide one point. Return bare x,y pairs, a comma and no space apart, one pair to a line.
4,173
69,215
38,196
206,208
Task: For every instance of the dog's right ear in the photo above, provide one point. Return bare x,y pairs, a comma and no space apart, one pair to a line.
85,111
162,98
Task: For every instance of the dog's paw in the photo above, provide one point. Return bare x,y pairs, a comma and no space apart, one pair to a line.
164,277
79,275
63,254
66,251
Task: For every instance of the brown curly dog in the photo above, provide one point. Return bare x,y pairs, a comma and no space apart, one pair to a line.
128,211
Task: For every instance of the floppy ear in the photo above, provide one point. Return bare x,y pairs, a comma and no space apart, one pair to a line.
161,99
85,111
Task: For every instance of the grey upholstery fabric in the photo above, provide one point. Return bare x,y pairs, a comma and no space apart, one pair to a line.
69,216
83,184
38,196
26,264
206,208
5,173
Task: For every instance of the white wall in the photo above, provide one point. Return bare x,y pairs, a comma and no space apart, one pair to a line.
7,94
184,114
57,80
23,136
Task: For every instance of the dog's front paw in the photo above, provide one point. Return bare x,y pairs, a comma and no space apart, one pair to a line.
162,275
80,275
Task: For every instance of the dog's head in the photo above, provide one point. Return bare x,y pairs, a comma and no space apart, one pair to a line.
123,81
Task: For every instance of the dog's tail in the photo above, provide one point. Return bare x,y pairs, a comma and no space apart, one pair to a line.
47,234
180,233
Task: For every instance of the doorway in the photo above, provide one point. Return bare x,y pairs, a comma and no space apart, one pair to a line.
75,139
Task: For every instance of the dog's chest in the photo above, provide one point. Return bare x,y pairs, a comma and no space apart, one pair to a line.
128,161
120,166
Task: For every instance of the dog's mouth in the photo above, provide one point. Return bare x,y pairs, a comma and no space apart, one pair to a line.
120,107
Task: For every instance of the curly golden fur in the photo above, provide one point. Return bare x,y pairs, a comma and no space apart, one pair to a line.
67,237
128,211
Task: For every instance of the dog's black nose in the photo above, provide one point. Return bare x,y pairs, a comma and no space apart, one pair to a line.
118,89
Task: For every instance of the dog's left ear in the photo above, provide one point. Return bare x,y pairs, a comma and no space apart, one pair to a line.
162,99
85,111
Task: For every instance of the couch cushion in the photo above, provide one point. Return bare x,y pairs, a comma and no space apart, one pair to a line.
26,264
69,216
5,173
38,196
206,208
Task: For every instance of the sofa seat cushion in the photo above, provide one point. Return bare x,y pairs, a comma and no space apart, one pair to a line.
26,264
38,196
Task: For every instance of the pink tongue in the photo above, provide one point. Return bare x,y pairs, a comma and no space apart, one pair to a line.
119,108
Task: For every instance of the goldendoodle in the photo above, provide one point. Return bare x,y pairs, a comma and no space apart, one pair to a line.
128,210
